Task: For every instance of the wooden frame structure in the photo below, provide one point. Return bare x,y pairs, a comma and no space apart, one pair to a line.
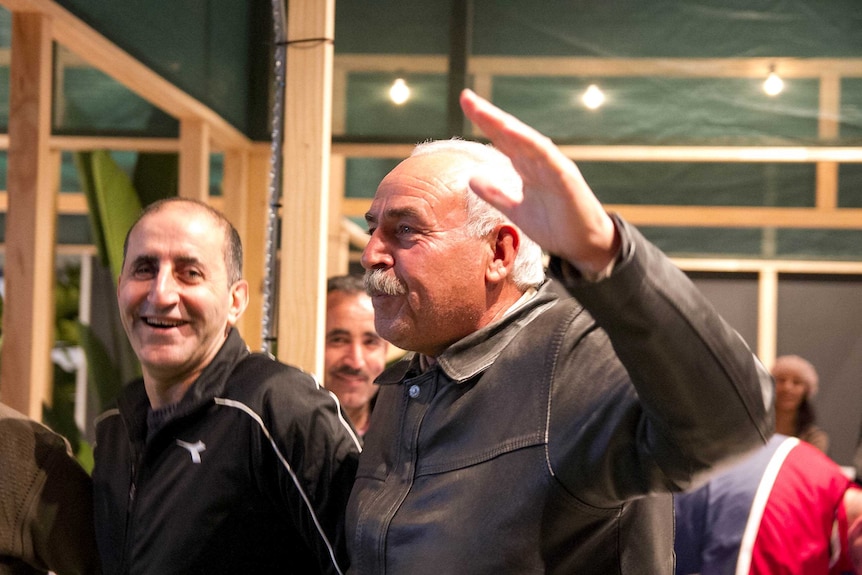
315,244
825,214
32,202
483,69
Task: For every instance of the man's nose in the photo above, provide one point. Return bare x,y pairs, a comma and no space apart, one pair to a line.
375,255
353,356
164,288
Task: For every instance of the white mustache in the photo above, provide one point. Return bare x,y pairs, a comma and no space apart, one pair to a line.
378,283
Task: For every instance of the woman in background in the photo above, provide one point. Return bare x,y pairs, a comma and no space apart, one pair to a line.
795,385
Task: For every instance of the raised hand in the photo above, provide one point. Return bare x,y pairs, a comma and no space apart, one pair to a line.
557,208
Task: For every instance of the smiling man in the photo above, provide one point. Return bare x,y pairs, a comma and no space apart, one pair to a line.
354,354
217,460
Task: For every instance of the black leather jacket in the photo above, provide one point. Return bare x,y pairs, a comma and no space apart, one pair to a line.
549,441
251,475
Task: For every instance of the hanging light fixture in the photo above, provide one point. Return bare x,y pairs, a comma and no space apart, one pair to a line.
593,97
773,85
399,92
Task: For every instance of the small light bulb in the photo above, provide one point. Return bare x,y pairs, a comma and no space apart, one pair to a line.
773,85
399,92
593,97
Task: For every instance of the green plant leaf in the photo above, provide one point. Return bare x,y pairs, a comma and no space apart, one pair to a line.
84,164
118,205
84,455
104,375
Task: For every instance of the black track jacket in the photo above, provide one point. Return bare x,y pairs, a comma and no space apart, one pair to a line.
251,475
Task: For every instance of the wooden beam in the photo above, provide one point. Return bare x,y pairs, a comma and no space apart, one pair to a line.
234,190
705,216
67,203
767,314
239,207
609,153
305,192
665,67
826,186
255,241
87,143
745,265
607,67
338,244
194,178
829,111
101,53
740,217
778,154
28,311
416,64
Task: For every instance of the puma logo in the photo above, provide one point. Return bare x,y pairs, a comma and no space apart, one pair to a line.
195,449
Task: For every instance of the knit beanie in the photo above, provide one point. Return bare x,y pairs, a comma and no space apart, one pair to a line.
801,367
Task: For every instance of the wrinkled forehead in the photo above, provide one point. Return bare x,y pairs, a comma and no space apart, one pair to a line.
436,182
179,217
449,170
178,228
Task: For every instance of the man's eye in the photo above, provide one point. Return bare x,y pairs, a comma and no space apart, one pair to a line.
373,343
404,229
145,270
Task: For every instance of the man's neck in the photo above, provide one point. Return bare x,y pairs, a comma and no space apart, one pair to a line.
162,394
359,417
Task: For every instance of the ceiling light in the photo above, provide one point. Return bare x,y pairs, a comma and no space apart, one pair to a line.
399,92
773,85
593,97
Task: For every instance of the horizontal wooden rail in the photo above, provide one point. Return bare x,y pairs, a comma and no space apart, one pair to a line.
91,46
605,67
75,203
705,216
610,153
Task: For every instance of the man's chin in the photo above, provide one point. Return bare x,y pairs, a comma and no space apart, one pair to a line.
393,329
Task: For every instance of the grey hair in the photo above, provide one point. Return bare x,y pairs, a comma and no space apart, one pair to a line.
482,217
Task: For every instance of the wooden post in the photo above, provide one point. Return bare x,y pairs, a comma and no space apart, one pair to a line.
338,248
245,202
305,191
194,159
826,187
767,316
28,311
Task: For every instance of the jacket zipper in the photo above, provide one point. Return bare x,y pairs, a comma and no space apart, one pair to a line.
130,508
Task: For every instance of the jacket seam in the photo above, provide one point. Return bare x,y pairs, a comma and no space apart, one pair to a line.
283,459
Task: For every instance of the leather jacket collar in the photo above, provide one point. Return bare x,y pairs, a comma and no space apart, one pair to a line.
477,351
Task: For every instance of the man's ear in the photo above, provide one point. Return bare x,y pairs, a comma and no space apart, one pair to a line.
238,301
506,241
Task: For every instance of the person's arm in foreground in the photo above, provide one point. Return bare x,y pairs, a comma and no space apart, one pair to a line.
703,392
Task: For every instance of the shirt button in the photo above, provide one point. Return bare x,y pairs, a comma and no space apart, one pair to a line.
414,391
